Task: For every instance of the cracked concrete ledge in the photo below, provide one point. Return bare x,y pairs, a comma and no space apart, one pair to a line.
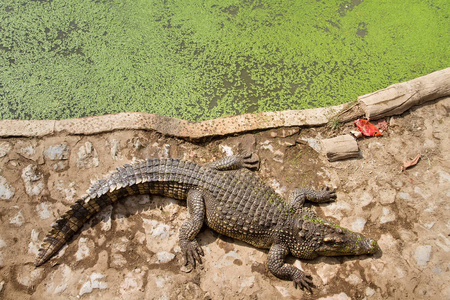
169,126
392,100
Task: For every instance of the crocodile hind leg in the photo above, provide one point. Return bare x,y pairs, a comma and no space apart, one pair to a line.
190,248
298,196
234,162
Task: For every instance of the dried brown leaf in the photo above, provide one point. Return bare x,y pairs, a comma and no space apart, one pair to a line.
382,125
410,163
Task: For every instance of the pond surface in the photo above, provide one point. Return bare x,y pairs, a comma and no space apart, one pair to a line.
205,59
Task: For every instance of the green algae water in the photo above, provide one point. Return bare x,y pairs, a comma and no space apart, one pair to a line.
203,59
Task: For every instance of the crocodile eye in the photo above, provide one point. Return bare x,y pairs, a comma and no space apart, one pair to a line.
333,239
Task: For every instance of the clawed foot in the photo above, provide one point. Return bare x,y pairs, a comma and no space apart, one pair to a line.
192,252
303,281
327,194
249,161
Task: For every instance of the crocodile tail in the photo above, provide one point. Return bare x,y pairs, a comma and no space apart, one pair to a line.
64,229
126,181
174,179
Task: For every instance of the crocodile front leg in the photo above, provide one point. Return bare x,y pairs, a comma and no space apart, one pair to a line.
298,196
235,162
277,266
190,248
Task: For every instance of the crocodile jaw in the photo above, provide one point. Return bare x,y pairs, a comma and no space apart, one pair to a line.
352,243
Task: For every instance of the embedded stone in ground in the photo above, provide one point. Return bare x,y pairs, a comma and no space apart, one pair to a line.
33,180
5,147
18,219
57,152
94,282
422,255
87,156
164,257
6,191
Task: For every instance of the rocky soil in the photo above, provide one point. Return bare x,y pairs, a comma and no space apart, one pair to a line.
130,250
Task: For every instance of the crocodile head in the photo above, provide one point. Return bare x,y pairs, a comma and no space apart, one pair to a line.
315,236
346,242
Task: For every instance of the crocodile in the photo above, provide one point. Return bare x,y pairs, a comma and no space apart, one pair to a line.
227,197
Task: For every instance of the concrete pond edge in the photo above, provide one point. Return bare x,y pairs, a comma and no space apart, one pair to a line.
240,123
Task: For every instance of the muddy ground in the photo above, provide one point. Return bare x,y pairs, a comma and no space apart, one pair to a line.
130,250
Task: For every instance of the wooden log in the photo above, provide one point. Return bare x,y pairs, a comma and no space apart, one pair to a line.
399,97
340,147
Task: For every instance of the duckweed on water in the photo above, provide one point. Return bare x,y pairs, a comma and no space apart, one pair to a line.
205,59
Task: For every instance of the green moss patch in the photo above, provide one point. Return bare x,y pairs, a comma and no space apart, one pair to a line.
200,60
